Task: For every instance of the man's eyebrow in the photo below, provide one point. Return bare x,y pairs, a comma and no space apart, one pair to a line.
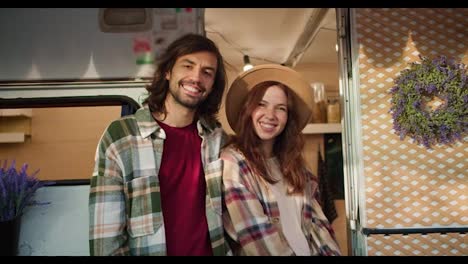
188,61
192,63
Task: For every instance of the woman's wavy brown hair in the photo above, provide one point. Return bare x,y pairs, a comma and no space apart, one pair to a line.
187,44
287,147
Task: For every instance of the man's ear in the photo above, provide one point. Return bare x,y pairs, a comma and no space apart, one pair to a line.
168,75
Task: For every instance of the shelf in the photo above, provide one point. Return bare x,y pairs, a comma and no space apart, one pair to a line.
16,112
325,128
15,125
13,137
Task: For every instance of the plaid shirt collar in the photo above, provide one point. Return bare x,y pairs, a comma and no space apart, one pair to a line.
147,125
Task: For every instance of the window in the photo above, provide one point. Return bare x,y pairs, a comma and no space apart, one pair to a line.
63,135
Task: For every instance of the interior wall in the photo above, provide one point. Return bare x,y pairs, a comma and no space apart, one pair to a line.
63,141
407,185
326,73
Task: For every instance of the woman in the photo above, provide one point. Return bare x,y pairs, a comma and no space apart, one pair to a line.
271,205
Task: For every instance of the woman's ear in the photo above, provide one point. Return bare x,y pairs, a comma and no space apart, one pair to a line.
168,75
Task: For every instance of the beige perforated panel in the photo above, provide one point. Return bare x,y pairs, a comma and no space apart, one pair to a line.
430,244
406,184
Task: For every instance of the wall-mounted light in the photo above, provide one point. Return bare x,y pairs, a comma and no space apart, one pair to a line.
247,64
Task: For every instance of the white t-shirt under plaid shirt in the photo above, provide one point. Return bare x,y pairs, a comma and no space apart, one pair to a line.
290,208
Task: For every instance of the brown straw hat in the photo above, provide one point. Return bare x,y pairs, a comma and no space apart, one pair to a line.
241,86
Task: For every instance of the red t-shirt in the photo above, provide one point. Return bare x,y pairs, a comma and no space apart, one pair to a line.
183,190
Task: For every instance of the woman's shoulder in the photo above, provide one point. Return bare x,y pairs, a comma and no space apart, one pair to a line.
231,153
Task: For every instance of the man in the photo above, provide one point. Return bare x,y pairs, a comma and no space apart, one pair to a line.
156,185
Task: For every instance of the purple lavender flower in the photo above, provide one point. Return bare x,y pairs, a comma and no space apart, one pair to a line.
17,189
394,89
431,88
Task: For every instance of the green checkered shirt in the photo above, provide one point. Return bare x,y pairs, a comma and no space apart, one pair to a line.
125,216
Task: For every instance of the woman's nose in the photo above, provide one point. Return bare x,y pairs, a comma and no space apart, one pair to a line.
270,113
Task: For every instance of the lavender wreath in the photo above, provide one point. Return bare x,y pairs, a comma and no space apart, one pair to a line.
429,102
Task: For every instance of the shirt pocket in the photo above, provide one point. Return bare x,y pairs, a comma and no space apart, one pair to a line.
213,176
140,193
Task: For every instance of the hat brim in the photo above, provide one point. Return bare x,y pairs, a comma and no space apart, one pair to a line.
242,85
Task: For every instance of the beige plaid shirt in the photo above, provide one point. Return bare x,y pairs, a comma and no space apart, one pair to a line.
252,216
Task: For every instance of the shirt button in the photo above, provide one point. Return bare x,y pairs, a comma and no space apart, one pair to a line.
275,220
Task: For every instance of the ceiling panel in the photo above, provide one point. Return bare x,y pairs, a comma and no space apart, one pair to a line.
269,35
322,49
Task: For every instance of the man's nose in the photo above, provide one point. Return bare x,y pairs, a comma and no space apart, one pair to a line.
196,74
